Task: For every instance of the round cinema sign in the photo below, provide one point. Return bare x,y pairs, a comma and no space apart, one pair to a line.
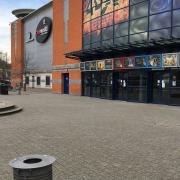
43,30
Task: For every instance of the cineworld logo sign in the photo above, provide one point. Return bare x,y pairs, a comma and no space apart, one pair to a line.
43,30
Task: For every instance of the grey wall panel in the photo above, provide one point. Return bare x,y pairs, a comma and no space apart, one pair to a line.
37,56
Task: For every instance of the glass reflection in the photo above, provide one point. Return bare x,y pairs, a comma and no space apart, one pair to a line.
139,10
160,21
159,6
140,25
121,15
118,4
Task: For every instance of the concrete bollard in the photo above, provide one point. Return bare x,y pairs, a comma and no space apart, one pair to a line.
33,167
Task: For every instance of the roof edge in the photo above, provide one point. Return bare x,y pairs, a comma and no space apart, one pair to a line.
37,10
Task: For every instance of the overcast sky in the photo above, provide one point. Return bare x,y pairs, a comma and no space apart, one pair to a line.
6,7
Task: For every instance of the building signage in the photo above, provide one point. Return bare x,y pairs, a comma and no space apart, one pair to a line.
108,64
140,61
43,30
154,61
170,60
129,62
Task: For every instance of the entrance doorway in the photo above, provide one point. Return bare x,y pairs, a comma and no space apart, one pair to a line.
160,87
66,83
120,85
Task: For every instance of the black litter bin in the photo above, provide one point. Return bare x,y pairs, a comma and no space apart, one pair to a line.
4,88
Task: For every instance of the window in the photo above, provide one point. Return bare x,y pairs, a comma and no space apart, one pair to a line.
157,6
139,10
38,81
160,21
48,80
27,80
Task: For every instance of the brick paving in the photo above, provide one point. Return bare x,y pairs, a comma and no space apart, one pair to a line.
93,139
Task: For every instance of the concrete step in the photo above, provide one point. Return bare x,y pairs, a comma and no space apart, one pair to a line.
6,108
16,109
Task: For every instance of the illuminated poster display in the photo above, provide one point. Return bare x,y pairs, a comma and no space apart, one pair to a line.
101,65
140,61
154,61
87,66
93,65
108,64
118,63
170,60
129,62
82,66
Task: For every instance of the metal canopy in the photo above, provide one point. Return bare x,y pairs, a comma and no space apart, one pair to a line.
122,49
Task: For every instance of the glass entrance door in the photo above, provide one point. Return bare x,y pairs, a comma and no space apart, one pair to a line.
137,86
120,79
160,92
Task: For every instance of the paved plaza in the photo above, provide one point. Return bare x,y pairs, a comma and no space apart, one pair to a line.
93,139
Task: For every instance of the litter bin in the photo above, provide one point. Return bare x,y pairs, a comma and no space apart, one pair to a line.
33,167
3,88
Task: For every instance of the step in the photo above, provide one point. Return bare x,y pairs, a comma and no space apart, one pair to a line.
16,109
6,108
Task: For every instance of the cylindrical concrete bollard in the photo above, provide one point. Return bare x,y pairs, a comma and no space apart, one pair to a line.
33,167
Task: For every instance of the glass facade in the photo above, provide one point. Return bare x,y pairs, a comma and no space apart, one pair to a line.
151,75
118,22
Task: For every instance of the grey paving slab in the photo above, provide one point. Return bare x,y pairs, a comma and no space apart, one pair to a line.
93,139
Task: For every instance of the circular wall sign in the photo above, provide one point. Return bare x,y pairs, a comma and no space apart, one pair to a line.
43,30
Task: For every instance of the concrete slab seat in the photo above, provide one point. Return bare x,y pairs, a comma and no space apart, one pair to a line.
7,108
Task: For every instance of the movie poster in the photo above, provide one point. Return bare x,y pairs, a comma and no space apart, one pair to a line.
129,62
82,66
140,61
119,4
154,60
101,65
108,64
170,60
121,15
118,63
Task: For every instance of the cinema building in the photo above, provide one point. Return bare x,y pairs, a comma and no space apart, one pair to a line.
122,50
31,47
